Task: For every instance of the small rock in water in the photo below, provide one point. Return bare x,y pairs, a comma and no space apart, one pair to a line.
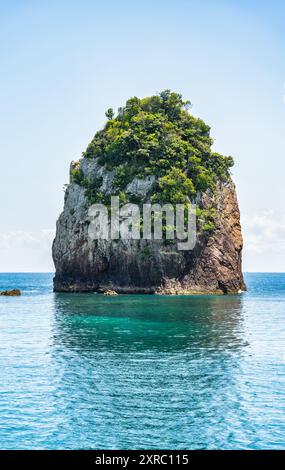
11,293
110,292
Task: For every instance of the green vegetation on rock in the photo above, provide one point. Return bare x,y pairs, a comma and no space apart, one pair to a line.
153,135
156,136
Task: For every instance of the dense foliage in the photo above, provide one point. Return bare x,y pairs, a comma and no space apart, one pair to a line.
157,136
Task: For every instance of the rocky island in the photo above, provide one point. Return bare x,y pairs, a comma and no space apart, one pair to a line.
152,151
11,293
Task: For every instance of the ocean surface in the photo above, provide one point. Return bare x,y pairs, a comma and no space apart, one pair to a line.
85,371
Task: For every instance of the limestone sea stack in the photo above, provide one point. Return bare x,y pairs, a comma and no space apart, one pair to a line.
153,151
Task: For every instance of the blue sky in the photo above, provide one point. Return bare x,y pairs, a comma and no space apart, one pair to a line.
64,63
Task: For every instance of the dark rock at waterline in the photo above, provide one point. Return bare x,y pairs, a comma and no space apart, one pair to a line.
11,293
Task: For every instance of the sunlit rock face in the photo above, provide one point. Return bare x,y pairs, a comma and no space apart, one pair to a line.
146,266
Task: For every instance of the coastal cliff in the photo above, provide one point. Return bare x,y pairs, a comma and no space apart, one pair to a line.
130,158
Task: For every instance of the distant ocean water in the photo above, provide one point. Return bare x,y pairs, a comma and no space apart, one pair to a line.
92,372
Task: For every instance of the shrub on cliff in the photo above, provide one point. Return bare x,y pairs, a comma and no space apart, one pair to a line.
158,136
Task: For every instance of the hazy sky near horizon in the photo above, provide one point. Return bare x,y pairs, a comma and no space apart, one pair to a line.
64,63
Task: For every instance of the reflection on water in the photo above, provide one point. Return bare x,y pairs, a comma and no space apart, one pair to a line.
88,371
162,324
155,370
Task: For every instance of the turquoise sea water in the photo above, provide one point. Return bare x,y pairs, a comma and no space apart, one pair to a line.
92,372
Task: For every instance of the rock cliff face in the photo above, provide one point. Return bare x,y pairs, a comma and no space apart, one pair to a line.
146,266
153,151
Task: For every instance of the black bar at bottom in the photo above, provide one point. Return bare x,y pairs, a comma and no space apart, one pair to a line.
127,459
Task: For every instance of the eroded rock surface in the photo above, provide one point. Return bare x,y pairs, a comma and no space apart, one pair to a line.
147,266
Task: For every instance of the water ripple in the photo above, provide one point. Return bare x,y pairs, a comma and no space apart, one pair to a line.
91,372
